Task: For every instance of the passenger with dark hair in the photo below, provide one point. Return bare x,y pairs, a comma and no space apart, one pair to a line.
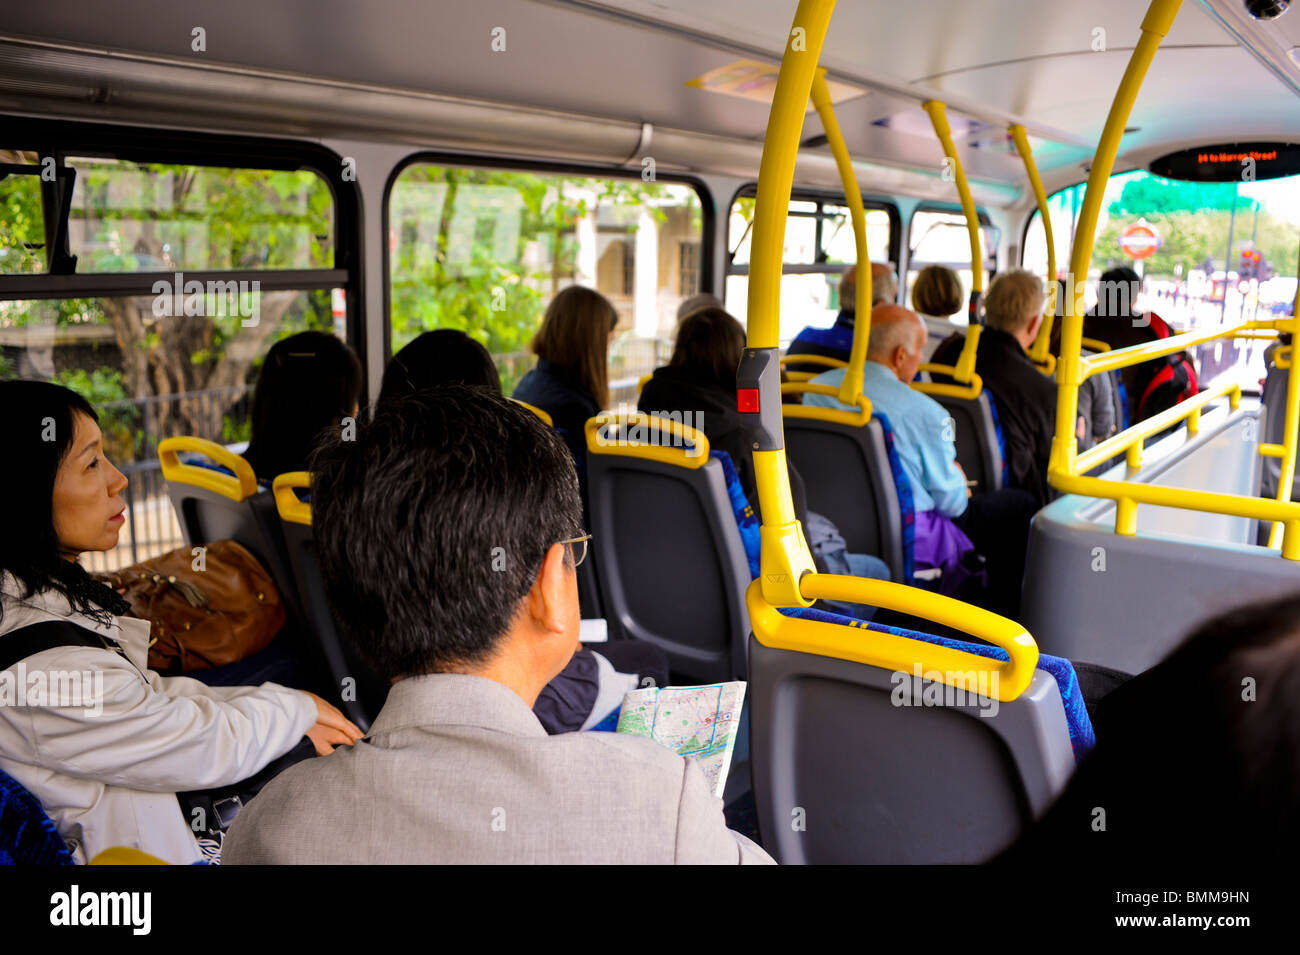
308,382
1197,760
1152,386
700,381
456,767
444,356
107,763
593,683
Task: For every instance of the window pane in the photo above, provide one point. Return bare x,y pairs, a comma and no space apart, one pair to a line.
151,378
22,229
484,250
1225,252
143,217
942,238
838,244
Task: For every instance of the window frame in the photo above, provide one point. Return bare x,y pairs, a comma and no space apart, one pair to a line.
821,197
981,215
587,170
63,138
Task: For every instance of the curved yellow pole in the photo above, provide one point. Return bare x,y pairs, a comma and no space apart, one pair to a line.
1038,351
938,113
1155,26
851,386
1290,434
785,555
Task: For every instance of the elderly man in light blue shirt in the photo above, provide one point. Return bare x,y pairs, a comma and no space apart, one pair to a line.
923,435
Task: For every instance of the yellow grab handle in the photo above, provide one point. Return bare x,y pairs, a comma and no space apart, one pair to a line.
852,384
545,416
1004,680
240,484
292,509
645,444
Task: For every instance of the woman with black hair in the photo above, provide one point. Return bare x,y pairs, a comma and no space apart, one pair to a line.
107,753
308,382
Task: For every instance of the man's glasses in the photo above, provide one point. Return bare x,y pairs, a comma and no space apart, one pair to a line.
579,549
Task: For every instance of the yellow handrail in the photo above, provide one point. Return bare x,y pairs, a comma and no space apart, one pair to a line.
787,577
236,486
545,415
970,391
292,508
828,360
1038,351
1004,680
649,449
851,386
1065,470
856,415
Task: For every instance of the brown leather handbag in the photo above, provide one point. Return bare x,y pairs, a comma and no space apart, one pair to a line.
205,618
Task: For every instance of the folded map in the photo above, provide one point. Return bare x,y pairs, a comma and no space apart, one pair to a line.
698,722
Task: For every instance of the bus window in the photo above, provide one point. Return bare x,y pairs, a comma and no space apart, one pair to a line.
1208,254
170,355
484,251
819,245
940,238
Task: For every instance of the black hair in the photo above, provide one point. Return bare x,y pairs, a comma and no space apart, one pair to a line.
1117,290
308,382
433,524
444,356
710,344
1198,758
37,428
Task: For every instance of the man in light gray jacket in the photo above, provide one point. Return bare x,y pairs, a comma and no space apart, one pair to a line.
449,535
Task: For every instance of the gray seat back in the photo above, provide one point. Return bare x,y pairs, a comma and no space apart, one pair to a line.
846,472
978,451
670,563
844,775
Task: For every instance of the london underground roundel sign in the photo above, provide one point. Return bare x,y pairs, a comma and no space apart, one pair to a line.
1139,241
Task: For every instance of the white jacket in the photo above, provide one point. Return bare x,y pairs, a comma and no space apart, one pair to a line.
109,778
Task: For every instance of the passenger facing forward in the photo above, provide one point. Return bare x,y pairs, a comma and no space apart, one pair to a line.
950,522
699,382
1025,397
456,767
937,296
593,683
837,341
309,382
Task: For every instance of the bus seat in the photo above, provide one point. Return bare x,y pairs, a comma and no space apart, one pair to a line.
981,448
354,688
844,774
671,565
853,476
220,501
27,834
588,584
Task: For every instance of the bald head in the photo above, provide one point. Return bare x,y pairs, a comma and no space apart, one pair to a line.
897,340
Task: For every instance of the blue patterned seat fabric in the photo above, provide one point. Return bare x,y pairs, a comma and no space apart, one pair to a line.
1082,739
906,501
27,836
1002,441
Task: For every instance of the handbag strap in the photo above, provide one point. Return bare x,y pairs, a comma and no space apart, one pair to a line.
23,642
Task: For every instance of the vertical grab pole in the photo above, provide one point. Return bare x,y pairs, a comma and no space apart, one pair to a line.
851,387
1290,542
785,554
1038,351
1155,25
965,365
